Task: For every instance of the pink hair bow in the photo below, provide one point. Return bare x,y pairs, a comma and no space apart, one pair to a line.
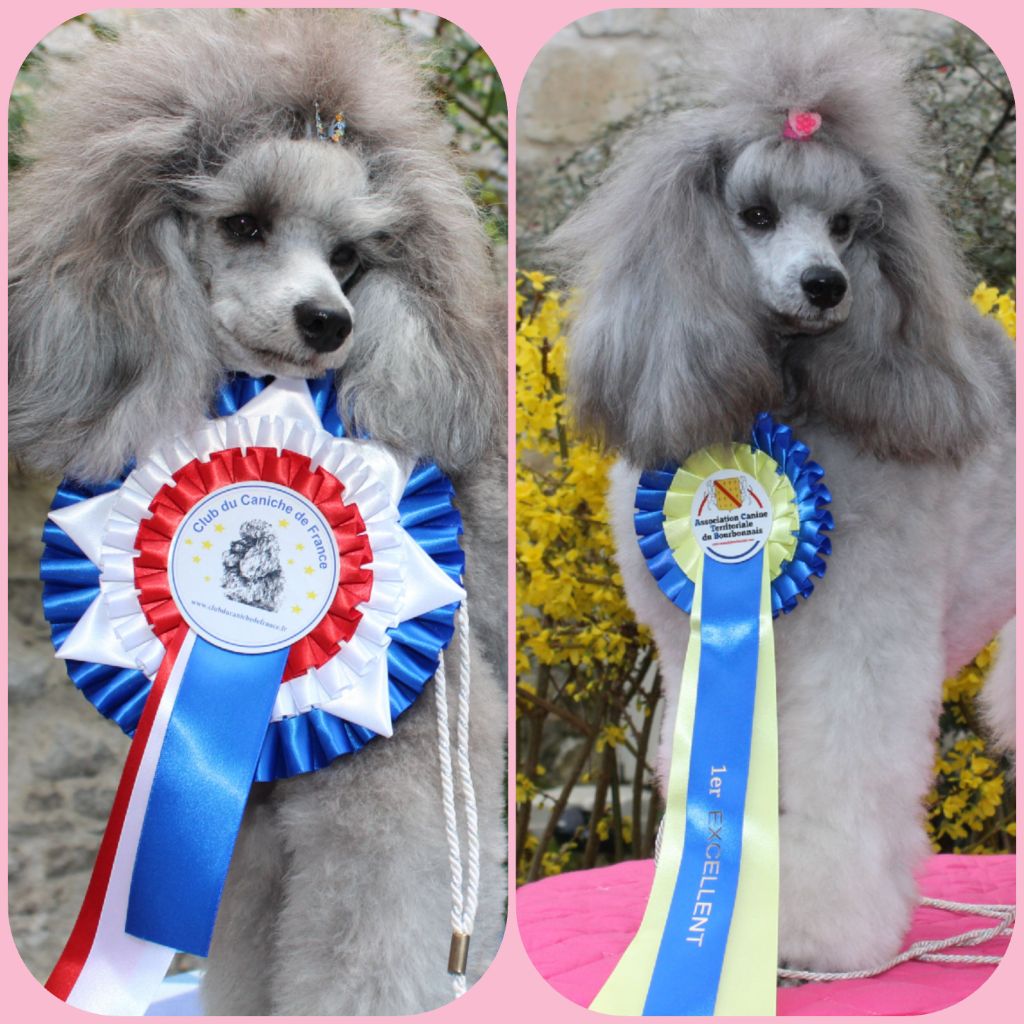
801,124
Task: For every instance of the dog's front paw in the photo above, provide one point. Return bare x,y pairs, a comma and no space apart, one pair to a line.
845,905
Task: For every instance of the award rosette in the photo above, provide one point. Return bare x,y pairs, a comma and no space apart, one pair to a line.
734,536
249,602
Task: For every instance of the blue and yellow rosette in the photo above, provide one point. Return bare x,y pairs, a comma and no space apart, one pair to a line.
734,536
249,601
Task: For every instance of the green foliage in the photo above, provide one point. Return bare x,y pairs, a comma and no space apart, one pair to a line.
967,100
970,808
473,100
21,108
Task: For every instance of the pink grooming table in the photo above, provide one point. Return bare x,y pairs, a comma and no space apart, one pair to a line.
576,926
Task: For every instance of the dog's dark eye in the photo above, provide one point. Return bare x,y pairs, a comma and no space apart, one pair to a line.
345,262
244,226
759,217
840,225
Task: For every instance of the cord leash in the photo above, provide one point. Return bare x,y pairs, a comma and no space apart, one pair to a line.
465,898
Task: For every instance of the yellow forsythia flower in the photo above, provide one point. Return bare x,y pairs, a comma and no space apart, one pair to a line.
991,302
967,812
577,642
570,605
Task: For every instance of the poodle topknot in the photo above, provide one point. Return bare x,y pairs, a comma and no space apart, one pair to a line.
192,225
661,252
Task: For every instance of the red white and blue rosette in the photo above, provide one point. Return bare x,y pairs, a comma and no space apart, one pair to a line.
249,602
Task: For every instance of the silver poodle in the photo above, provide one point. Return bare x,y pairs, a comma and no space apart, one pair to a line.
724,270
192,224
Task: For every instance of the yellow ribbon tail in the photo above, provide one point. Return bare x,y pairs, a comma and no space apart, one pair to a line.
747,985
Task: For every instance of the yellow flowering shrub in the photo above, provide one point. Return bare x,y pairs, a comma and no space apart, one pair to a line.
587,685
992,302
970,809
583,665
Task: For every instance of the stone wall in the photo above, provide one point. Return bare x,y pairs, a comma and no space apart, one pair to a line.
604,74
64,760
594,73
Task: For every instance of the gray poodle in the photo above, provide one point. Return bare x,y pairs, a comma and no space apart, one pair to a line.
735,261
194,224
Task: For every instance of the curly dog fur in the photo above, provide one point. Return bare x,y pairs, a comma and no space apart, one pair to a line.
693,260
184,230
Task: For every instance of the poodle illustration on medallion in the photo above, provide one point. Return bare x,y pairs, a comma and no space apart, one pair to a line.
252,567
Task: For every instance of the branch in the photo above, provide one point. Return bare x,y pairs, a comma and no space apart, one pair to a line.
501,138
1008,115
574,720
586,747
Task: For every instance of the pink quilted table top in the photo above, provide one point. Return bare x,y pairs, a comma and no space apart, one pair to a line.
576,926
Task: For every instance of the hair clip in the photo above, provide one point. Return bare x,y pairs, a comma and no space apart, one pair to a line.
338,129
801,124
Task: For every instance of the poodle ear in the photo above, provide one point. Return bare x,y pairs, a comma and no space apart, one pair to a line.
426,373
108,324
106,344
425,379
914,373
666,350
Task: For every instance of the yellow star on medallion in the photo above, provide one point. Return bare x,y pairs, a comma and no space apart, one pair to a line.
296,609
219,528
188,540
195,558
207,544
311,594
308,570
206,579
291,561
300,547
282,522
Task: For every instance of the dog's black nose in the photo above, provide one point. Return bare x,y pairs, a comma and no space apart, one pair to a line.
823,286
322,329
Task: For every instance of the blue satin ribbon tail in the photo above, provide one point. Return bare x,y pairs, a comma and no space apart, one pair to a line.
692,951
203,777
